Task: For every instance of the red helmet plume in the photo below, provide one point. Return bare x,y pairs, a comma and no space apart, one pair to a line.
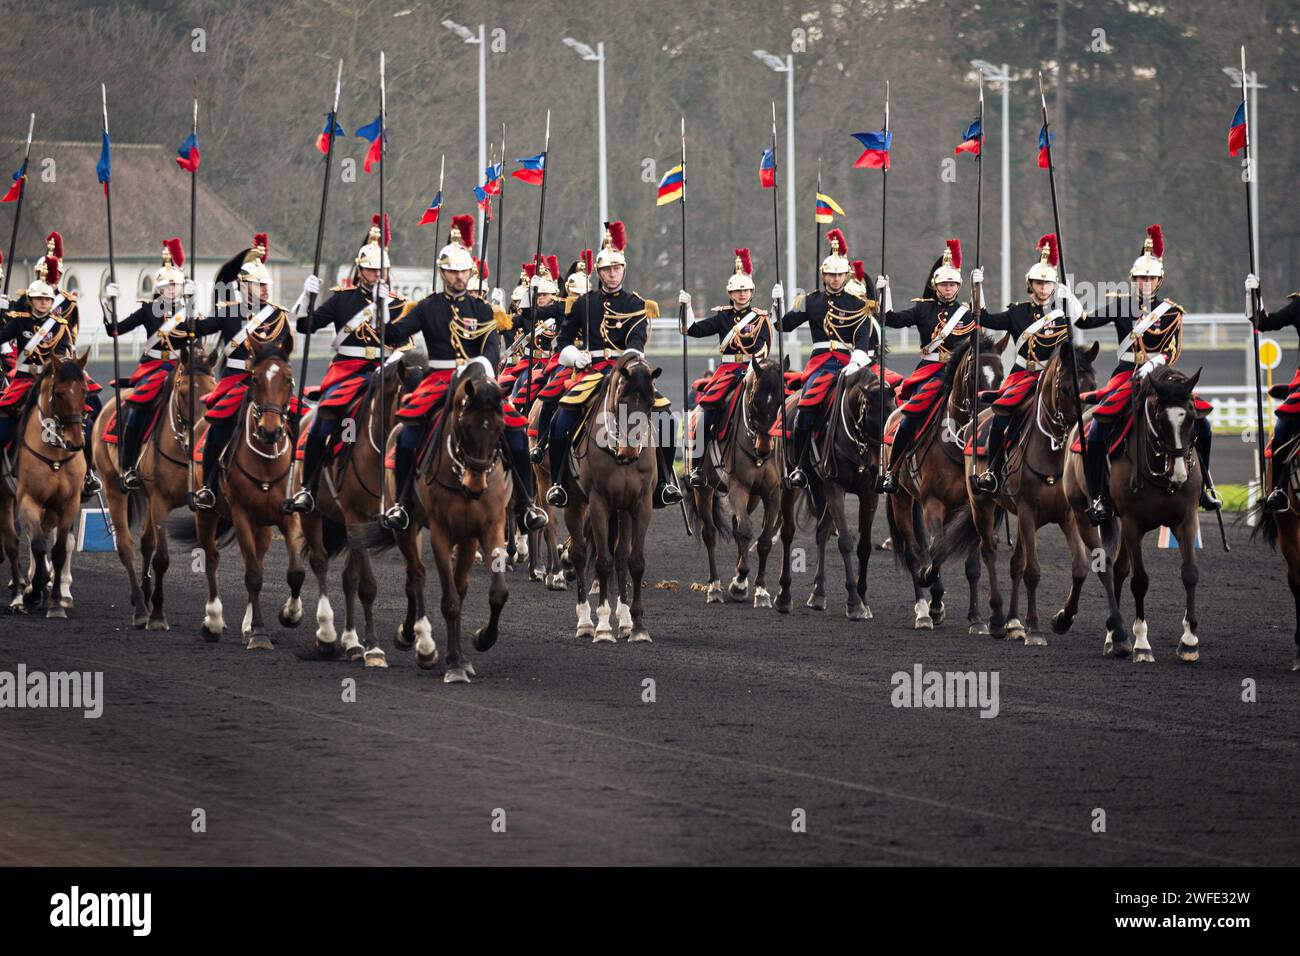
1157,240
954,247
388,232
261,245
465,226
553,264
859,270
175,250
836,235
1053,250
589,260
54,245
482,269
618,235
746,265
530,269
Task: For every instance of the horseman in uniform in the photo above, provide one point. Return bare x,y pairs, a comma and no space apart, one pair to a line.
610,320
1288,413
845,336
165,321
247,324
743,334
1038,330
351,311
944,323
1150,332
43,322
554,378
458,329
547,290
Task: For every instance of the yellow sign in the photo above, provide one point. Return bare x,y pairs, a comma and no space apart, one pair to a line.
1270,353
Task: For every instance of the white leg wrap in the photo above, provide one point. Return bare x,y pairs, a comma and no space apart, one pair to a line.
1189,638
212,617
349,640
424,644
1140,642
325,632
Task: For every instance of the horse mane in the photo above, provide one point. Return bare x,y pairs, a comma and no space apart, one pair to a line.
67,370
483,398
1168,383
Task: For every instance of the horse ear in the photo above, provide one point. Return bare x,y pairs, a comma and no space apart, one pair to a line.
1191,383
656,373
753,364
785,364
1002,346
469,389
1090,353
81,362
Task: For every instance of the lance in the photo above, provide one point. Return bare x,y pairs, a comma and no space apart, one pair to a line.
778,307
320,241
1254,303
501,198
112,278
487,224
977,292
191,339
385,277
681,317
817,272
22,191
1060,252
537,258
880,345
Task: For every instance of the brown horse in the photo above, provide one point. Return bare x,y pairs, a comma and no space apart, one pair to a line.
256,466
849,465
551,572
1155,481
1031,489
1284,527
46,492
740,472
164,469
611,501
932,485
347,503
461,496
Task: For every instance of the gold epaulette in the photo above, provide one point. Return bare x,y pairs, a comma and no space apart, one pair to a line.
798,304
225,305
570,302
19,315
503,320
1294,295
923,300
651,308
341,288
406,308
722,308
1175,305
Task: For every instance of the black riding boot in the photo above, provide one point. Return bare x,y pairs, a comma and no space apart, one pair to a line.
398,517
528,515
128,446
1210,499
313,460
704,430
544,416
1278,499
986,483
557,496
1096,472
802,440
903,438
214,444
666,490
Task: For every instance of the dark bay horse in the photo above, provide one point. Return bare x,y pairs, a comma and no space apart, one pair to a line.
257,464
46,496
849,465
1283,528
932,484
742,471
164,471
1155,481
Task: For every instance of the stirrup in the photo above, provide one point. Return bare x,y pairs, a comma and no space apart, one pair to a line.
797,478
1210,498
91,485
128,481
889,483
302,503
395,518
1100,511
695,477
985,483
533,518
537,454
557,497
1277,501
670,494
203,499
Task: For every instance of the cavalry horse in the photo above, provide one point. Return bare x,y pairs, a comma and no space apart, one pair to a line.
461,496
551,572
46,491
256,467
1283,528
932,484
1031,489
742,470
345,506
611,496
164,466
848,464
1155,481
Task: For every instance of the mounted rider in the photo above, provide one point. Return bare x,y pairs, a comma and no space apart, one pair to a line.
523,384
248,323
165,320
1038,329
1150,332
611,321
555,378
744,334
845,335
944,324
458,329
1288,413
351,311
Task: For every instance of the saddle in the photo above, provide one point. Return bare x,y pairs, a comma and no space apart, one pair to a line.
338,452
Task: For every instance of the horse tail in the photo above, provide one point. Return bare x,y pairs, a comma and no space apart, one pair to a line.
958,536
895,536
1265,525
183,531
372,536
335,534
722,516
137,509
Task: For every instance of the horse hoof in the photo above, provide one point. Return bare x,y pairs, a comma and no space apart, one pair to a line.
1015,630
1034,640
1061,621
456,675
585,630
937,615
978,629
536,574
427,662
640,635
557,582
290,617
159,624
139,620
375,657
603,635
209,635
739,590
714,594
259,642
404,640
817,601
355,653
56,611
1121,649
1144,656
484,639
762,598
326,649
858,612
1189,654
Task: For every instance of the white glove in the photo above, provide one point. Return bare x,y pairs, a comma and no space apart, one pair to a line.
381,291
977,276
857,360
499,299
1064,288
1252,282
1073,308
4,300
526,301
299,308
1152,364
882,282
887,300
778,293
570,355
683,298
189,290
310,286
583,361
111,292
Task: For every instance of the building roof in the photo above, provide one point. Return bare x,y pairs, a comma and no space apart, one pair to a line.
151,202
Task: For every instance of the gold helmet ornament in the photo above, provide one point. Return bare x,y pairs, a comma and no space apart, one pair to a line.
547,275
1151,262
517,296
837,263
173,257
254,269
370,256
612,246
949,268
48,269
478,279
578,281
455,255
858,284
1044,270
743,276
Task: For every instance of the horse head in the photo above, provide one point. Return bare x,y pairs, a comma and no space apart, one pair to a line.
194,364
629,402
1057,385
475,426
763,397
1167,410
865,397
959,369
63,402
271,387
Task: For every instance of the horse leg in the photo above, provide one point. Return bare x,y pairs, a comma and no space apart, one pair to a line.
1138,586
554,576
985,515
1121,570
252,629
425,650
932,519
368,590
159,565
848,545
30,516
907,548
709,532
622,552
577,556
415,629
783,599
771,505
124,544
640,524
817,597
326,640
459,669
1063,618
59,558
498,594
148,545
349,641
1028,533
1015,627
743,530
294,544
866,517
1290,545
598,521
9,533
1189,644
214,622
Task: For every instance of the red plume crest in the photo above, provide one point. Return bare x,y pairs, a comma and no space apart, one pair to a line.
836,235
262,242
553,263
530,269
746,265
859,270
1157,240
175,250
1053,252
58,244
465,226
954,247
388,231
618,235
589,260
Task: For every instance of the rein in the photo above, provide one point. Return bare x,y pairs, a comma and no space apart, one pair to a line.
48,423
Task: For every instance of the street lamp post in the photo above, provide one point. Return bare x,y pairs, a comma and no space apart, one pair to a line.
598,57
480,38
1004,77
1252,84
786,66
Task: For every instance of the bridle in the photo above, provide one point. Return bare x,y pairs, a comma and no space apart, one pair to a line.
1060,426
462,461
1155,449
609,403
52,427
